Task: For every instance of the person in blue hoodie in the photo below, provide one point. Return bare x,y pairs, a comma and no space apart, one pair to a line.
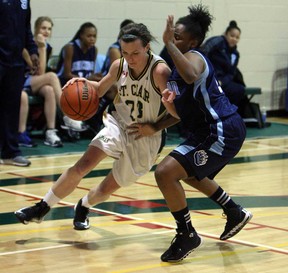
223,53
15,35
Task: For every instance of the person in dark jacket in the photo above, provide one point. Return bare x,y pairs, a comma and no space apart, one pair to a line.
15,35
223,53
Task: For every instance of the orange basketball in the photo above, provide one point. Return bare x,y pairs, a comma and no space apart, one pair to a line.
79,100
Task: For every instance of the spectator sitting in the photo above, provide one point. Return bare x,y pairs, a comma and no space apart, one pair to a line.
222,52
78,59
44,84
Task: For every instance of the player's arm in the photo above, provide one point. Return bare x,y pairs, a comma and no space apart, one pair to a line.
41,43
161,74
68,52
114,54
105,83
189,65
109,79
26,57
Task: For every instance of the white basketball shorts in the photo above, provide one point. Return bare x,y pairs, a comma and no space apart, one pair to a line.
133,158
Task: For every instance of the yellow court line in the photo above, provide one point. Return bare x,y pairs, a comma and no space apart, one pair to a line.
212,236
190,258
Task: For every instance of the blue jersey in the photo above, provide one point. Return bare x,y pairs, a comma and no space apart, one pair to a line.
216,130
83,63
203,107
224,59
107,62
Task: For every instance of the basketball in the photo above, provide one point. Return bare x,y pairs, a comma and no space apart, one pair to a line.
79,100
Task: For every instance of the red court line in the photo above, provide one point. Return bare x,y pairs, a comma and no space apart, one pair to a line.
30,177
118,215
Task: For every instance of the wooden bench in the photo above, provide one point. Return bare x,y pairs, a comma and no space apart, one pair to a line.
254,110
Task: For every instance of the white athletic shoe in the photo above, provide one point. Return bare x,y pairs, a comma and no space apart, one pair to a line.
75,125
52,139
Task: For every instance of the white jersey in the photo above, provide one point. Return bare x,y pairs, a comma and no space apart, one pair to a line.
138,100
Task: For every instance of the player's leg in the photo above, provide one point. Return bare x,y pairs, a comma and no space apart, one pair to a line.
24,110
237,217
23,137
95,196
51,135
11,83
168,175
52,80
64,186
47,93
48,78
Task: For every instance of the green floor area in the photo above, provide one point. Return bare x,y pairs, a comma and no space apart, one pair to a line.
274,130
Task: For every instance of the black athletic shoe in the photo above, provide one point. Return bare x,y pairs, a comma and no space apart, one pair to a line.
237,218
81,220
181,246
34,213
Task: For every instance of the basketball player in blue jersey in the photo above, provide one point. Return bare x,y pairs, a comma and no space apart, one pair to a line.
77,58
216,133
132,132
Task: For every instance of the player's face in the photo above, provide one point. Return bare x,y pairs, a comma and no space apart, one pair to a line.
88,37
233,37
182,39
45,29
135,53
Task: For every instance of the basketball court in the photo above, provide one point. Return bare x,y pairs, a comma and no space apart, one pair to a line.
131,230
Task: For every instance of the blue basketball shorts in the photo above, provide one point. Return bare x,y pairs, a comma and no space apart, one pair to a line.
198,157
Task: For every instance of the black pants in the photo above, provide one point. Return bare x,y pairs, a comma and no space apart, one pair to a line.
11,84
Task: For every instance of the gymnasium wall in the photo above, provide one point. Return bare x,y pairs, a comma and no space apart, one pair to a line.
263,45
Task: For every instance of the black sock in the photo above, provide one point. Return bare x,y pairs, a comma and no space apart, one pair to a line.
183,220
223,199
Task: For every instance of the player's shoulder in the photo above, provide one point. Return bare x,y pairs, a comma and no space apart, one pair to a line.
160,67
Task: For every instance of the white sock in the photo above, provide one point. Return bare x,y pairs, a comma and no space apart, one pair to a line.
51,199
85,202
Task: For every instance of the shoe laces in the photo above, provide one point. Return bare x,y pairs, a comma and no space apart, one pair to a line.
180,236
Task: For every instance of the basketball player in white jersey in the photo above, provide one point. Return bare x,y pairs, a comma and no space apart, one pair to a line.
132,132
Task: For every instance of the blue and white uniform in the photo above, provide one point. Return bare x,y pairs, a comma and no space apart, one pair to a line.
216,131
83,63
107,62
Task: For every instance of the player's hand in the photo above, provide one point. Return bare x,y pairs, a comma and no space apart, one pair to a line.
35,64
168,34
141,130
168,96
71,81
40,40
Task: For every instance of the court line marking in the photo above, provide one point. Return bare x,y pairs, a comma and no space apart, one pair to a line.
129,217
110,161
